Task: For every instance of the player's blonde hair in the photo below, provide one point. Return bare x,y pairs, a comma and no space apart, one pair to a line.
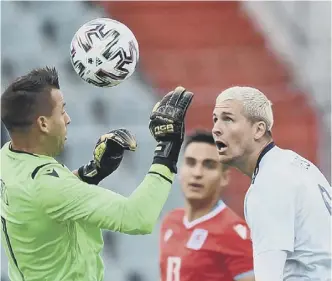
255,104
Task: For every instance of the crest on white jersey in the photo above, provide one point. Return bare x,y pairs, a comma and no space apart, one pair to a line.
197,239
301,162
241,230
168,234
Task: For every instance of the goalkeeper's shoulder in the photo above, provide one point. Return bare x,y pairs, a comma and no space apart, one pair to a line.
54,179
51,169
30,165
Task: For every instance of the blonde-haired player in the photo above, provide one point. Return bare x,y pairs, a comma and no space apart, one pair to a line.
288,204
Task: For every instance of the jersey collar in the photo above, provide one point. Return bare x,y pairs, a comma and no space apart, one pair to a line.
260,157
220,206
19,151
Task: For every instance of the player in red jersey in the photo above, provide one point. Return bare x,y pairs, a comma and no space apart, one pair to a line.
205,240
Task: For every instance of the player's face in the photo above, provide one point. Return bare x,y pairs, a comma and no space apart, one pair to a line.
201,173
232,132
57,123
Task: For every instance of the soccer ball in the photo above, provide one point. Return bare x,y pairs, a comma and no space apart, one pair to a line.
104,52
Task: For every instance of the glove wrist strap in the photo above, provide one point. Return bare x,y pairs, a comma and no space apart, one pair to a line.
90,173
166,162
167,153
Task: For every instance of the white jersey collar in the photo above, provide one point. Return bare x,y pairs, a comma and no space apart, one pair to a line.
220,207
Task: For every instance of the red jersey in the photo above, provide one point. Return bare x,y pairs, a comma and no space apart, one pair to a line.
215,247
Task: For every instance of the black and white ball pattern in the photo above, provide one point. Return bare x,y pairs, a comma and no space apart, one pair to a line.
104,52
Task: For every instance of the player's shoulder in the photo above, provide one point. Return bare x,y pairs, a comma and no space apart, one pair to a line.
226,220
53,169
231,216
287,160
284,168
236,225
228,226
175,216
280,172
22,164
276,168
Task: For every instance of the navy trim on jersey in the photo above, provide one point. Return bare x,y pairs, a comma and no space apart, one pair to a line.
260,157
165,178
19,151
5,231
35,171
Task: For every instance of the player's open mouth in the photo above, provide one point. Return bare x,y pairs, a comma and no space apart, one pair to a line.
221,146
195,185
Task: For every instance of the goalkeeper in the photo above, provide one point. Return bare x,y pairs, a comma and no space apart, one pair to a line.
52,218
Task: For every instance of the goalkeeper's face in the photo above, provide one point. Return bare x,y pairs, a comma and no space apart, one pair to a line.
54,127
202,176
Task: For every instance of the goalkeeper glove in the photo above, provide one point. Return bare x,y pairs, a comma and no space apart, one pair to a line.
167,126
108,154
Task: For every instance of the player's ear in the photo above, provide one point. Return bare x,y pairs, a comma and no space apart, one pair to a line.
259,129
43,124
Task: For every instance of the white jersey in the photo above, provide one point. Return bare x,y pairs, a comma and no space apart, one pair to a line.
288,207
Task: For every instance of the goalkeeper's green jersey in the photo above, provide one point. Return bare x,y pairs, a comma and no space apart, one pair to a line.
52,221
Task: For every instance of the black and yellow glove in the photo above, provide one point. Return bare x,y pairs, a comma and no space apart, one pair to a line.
108,154
168,128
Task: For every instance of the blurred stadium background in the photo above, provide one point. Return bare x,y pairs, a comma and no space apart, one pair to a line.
282,48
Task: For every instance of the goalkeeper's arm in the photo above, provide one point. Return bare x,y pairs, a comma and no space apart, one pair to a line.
65,197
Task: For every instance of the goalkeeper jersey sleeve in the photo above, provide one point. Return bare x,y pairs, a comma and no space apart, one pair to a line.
64,197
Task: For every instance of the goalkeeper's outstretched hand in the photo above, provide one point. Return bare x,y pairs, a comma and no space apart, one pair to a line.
108,154
167,126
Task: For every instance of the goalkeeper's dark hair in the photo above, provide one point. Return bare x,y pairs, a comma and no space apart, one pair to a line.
28,97
199,135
